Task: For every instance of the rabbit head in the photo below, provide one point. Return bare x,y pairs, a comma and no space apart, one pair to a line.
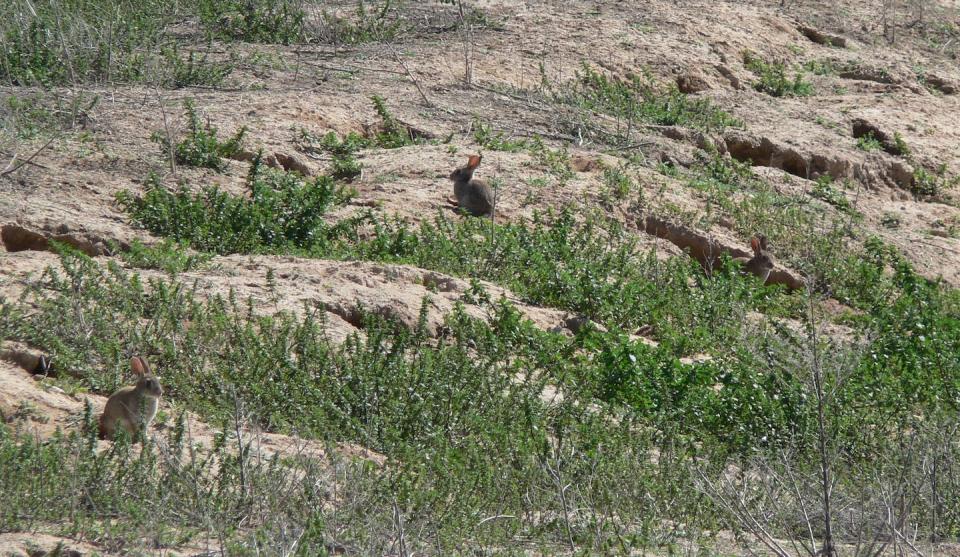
465,173
760,253
147,383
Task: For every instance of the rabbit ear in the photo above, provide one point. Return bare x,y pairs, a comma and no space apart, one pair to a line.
755,243
139,366
474,161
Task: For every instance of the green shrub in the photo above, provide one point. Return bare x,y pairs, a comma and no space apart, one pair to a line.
638,100
167,255
824,190
773,78
193,70
253,21
932,184
367,25
485,137
283,212
52,43
201,146
869,143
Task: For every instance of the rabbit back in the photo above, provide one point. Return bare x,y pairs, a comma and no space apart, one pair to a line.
129,408
476,196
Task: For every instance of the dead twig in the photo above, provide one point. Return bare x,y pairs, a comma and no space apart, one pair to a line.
351,69
166,129
411,76
10,169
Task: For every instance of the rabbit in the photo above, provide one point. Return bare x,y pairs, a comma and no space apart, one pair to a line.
132,407
761,263
476,196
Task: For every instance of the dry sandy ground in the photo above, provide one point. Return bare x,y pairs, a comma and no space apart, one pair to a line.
912,88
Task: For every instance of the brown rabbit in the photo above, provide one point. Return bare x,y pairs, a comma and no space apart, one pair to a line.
132,407
761,263
476,196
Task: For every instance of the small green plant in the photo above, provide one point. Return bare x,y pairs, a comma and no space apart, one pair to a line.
890,220
283,212
484,135
255,21
868,142
822,66
773,78
932,184
617,182
901,146
201,147
393,133
824,190
367,25
194,70
636,100
168,255
557,161
345,167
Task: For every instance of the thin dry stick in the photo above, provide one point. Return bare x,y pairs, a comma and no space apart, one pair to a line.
826,477
467,46
412,78
10,170
398,518
350,69
238,428
166,129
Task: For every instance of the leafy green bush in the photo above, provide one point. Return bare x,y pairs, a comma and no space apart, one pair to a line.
773,78
485,137
284,212
201,146
167,255
824,190
869,143
254,21
365,26
638,100
56,43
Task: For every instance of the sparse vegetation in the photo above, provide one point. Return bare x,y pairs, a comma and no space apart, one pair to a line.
890,220
868,142
29,116
283,212
201,146
194,69
824,190
367,24
484,135
254,21
821,66
634,102
773,78
932,184
168,256
618,182
392,134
